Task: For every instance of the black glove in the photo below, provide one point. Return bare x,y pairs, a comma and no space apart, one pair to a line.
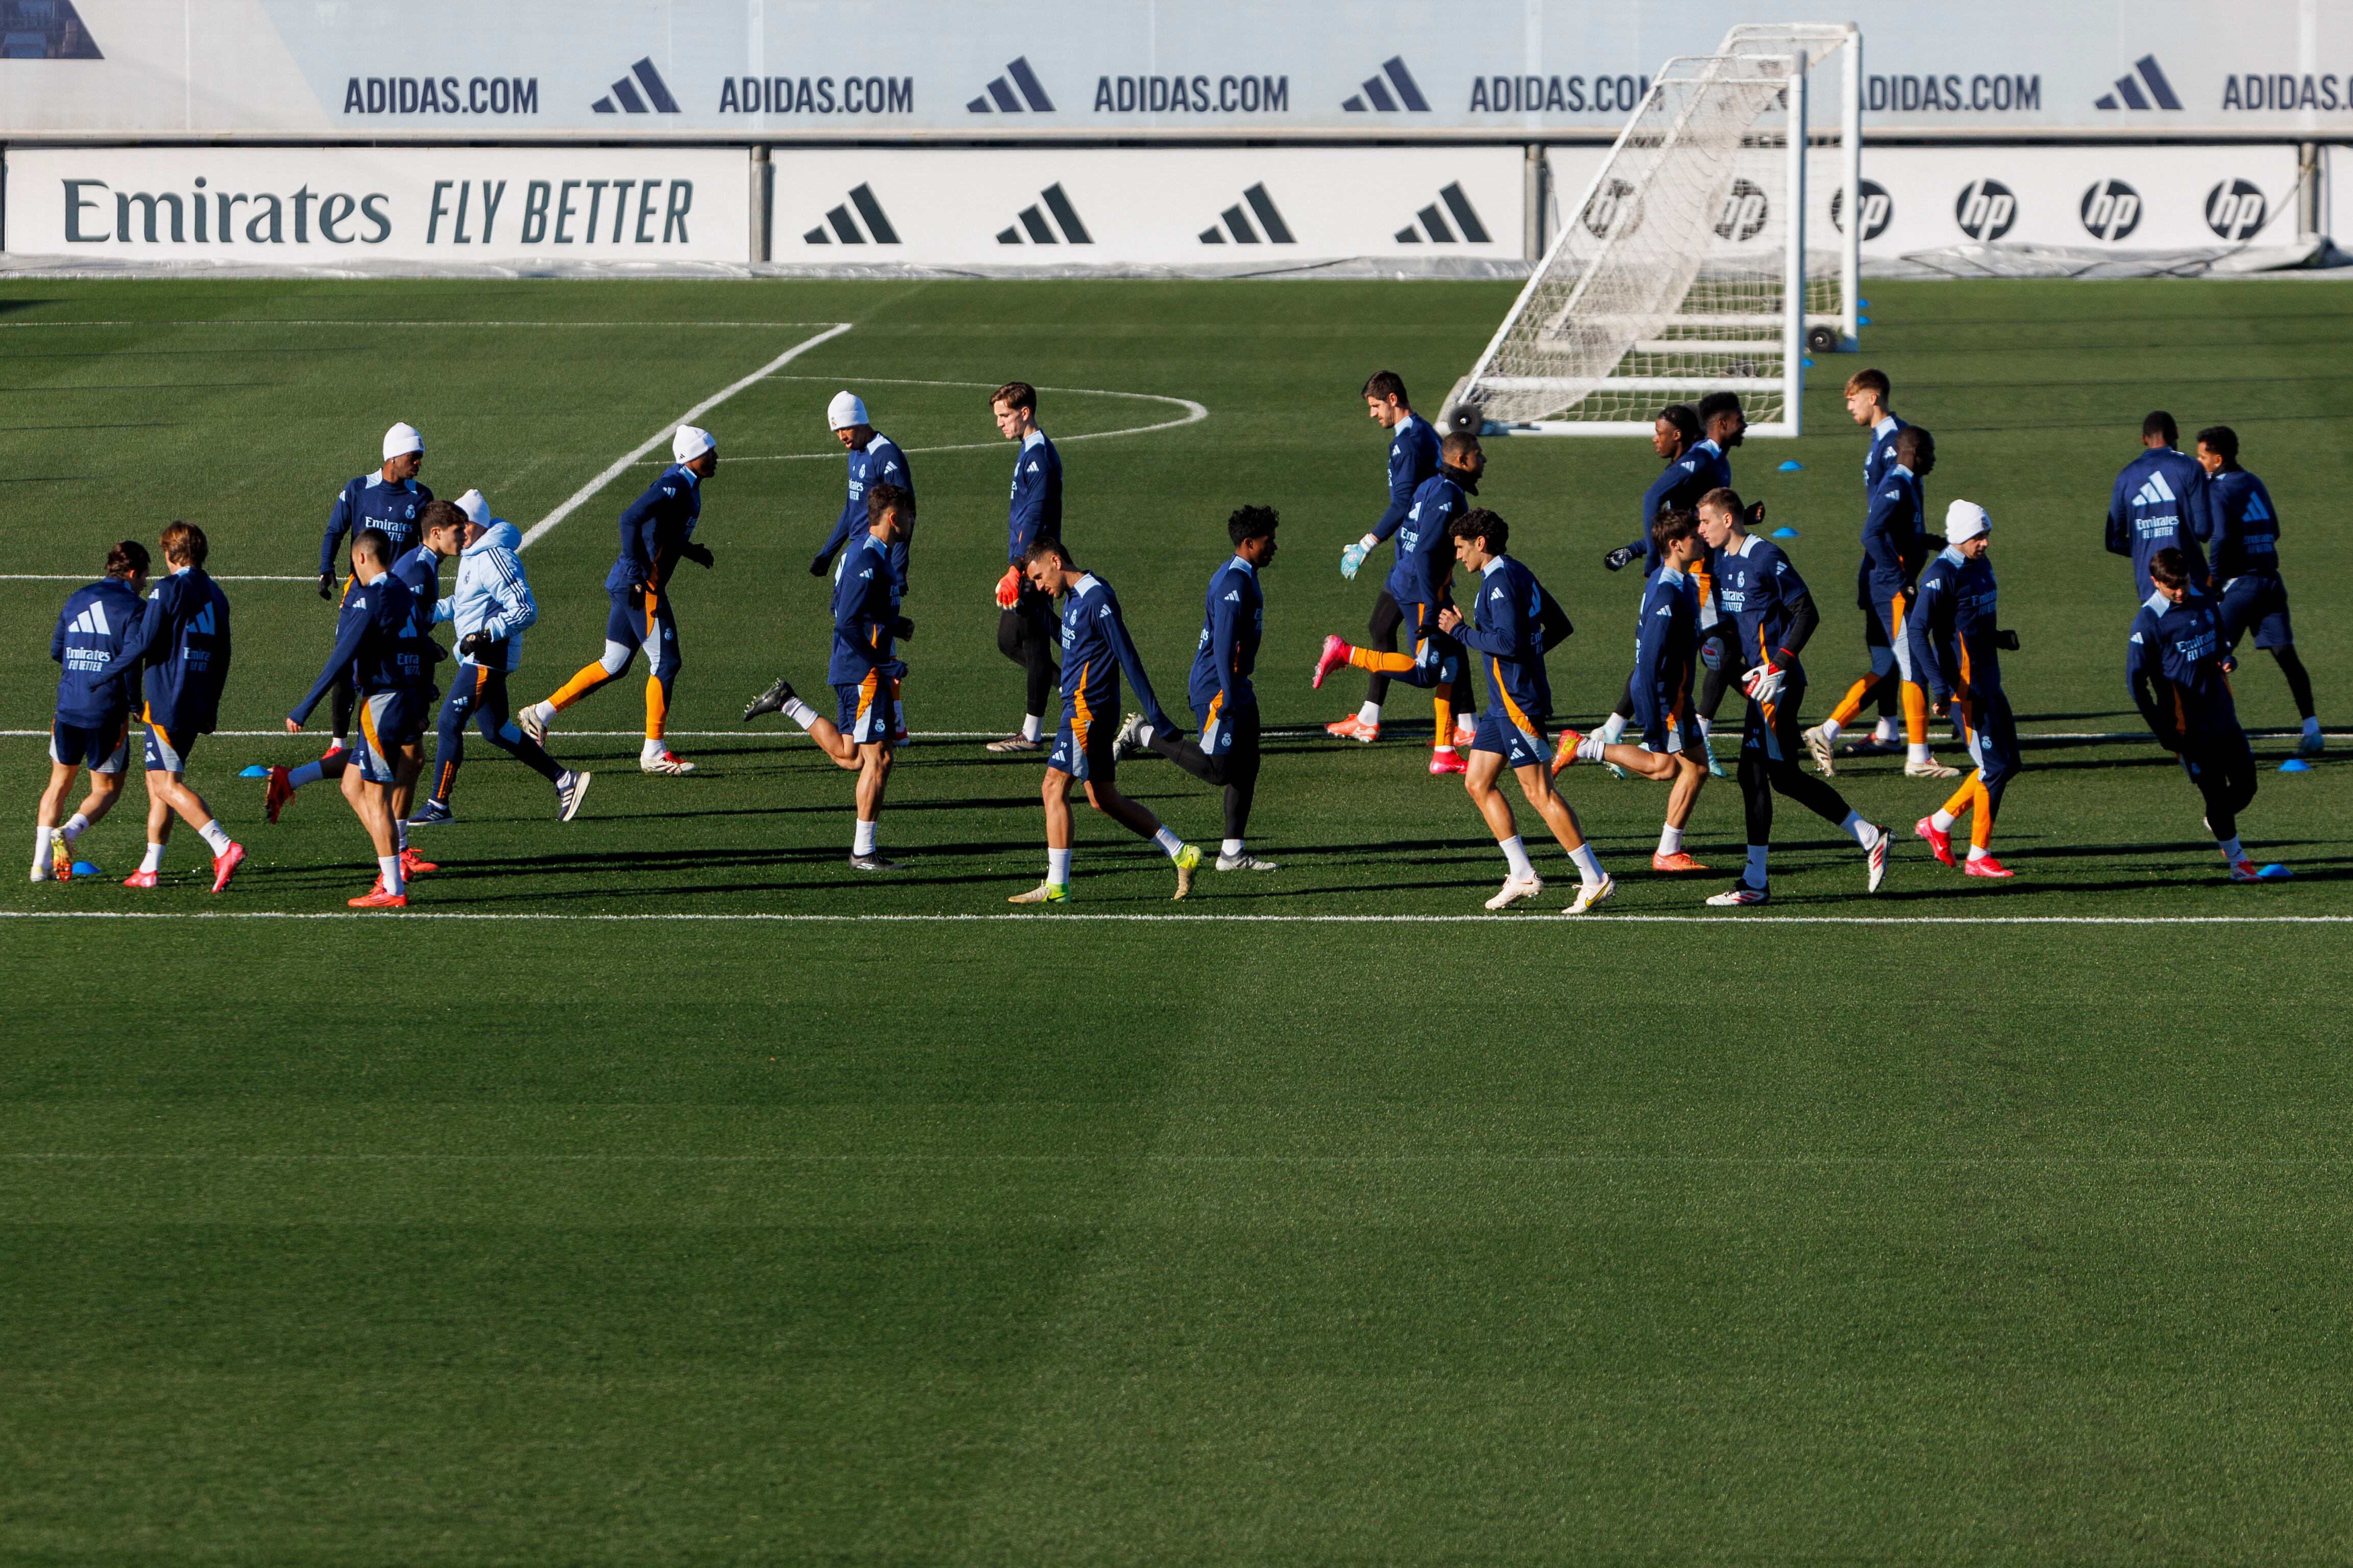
473,643
698,553
1617,559
820,564
326,584
2006,640
902,629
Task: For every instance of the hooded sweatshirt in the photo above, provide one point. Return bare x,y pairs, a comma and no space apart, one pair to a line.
492,595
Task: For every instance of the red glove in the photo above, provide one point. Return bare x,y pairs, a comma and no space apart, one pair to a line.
1009,588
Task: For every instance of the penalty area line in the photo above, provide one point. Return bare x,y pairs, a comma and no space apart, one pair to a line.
1064,917
623,465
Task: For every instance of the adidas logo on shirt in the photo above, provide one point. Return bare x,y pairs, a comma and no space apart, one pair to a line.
203,624
2153,491
2256,511
93,621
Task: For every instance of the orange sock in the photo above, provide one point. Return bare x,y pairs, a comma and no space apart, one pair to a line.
1916,713
1441,708
1852,703
590,678
657,707
1373,659
1981,825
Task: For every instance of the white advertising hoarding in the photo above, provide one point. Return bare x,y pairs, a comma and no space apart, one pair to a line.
317,206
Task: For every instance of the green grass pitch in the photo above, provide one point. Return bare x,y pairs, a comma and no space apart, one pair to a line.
1968,1224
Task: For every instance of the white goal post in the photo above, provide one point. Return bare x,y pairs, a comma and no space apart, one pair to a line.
1683,268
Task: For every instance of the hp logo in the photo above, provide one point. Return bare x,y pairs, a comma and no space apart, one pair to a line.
1615,210
1878,209
2111,210
1986,209
1745,209
2235,209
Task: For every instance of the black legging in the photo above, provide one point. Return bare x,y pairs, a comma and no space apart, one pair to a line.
1770,750
2224,769
1380,633
1236,771
1025,634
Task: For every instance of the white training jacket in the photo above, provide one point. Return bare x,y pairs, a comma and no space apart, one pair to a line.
492,595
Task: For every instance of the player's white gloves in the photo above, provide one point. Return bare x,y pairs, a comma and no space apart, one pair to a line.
1353,556
1764,683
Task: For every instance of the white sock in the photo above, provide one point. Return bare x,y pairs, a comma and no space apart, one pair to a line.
1143,736
1977,852
1589,865
1942,820
800,714
40,848
863,842
1370,713
2312,726
388,867
1611,728
1057,866
1917,752
75,825
1670,841
215,836
1883,732
1515,855
155,858
1856,828
1706,728
1169,843
652,749
307,774
1231,849
1589,747
1830,728
1033,726
1446,746
544,712
2232,852
1755,874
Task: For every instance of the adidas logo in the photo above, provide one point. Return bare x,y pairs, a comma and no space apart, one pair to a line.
999,100
46,30
1377,92
1433,224
1238,223
2256,512
845,227
624,93
2155,491
93,621
2128,94
1034,222
203,624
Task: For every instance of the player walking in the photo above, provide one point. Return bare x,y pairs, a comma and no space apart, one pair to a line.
2178,669
1413,458
391,499
864,668
92,723
380,639
1417,592
1666,656
1772,617
1096,649
1223,700
183,642
1509,636
2243,526
1866,404
2159,503
1025,623
872,458
656,533
1958,646
490,607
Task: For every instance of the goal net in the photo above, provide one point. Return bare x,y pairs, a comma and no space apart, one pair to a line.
1681,269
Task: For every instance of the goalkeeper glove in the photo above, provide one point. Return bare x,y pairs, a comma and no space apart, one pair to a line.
473,643
1353,556
2006,640
1009,588
1617,559
1764,683
698,553
820,564
326,584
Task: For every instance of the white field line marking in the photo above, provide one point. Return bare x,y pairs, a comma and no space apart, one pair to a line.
1304,733
86,577
991,1157
23,326
623,465
1063,917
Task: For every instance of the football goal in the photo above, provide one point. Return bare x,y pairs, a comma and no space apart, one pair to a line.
1683,268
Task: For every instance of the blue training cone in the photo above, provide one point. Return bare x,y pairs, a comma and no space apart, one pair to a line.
256,772
2275,873
1784,533
84,868
1791,466
2295,765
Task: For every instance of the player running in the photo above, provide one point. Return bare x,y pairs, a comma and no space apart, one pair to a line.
656,533
1866,404
389,498
2243,526
1772,617
1413,458
1417,591
490,607
1025,623
2178,669
1959,648
92,723
380,639
1666,655
864,668
2159,503
1095,649
183,642
1224,702
872,458
1509,635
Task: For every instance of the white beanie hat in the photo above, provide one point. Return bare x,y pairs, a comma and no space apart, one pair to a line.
844,411
402,438
691,442
1965,519
477,510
